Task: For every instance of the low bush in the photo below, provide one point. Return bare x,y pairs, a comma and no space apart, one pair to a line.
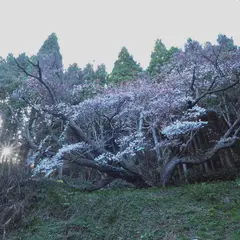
228,174
13,195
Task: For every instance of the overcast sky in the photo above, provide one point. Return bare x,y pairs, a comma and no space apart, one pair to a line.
95,30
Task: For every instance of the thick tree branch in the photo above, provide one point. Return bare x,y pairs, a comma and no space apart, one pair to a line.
112,171
198,159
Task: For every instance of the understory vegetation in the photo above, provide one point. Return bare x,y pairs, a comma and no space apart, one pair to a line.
199,211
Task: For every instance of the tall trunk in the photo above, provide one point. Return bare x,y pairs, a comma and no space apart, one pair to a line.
228,158
212,165
185,171
155,139
179,172
200,146
222,160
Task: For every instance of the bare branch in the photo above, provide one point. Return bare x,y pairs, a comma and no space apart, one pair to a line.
25,71
39,77
215,91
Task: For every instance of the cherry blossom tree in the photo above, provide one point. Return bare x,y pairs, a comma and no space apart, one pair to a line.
142,131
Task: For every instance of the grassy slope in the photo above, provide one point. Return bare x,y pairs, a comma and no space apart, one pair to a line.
204,211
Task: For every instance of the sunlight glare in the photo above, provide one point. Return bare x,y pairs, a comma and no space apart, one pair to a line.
6,151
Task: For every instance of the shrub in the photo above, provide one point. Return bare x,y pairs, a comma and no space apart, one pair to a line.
13,198
228,174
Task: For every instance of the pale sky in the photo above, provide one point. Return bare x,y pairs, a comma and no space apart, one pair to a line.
95,30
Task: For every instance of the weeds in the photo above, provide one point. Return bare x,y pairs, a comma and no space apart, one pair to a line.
200,211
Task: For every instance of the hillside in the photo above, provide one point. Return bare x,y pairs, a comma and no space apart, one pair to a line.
120,120
201,211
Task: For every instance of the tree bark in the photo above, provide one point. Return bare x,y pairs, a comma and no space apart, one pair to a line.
114,172
197,159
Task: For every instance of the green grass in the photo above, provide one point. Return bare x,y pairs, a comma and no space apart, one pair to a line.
202,211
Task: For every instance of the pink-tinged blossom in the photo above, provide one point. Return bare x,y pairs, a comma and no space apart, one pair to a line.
48,165
80,146
194,113
142,114
180,128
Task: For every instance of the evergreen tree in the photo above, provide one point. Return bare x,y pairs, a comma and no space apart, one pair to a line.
10,76
160,56
74,74
51,47
88,73
172,51
125,68
227,44
101,74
